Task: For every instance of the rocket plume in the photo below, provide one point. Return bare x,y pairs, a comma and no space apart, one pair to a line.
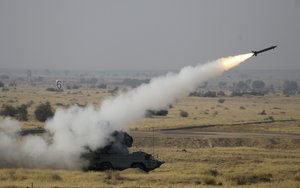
231,62
74,128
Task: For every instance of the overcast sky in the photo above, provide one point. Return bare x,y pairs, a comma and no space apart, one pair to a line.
146,35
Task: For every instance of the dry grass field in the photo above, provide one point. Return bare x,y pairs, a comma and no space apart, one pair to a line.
201,110
201,167
191,161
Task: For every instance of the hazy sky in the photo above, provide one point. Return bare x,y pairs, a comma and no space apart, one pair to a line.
146,35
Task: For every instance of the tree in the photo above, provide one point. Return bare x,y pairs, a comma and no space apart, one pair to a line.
92,81
82,80
9,110
271,88
43,112
221,94
4,77
102,86
241,87
75,86
222,85
1,84
248,82
290,87
22,112
258,85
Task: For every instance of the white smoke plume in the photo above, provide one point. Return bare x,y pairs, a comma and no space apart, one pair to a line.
74,128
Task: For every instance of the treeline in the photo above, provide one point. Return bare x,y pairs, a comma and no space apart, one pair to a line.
257,87
42,112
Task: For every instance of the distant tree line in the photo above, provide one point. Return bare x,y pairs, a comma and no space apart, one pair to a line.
248,87
290,87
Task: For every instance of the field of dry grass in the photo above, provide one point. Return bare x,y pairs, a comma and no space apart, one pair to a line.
190,161
208,111
201,167
201,111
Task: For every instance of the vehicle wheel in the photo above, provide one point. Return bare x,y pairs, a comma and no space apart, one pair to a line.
140,166
106,166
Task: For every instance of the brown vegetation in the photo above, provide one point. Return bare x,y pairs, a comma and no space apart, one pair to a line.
191,161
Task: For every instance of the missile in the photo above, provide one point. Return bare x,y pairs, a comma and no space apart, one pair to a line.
261,51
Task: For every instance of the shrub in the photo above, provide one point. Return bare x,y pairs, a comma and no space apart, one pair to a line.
241,87
184,113
209,181
51,89
43,112
195,94
92,81
55,177
221,94
210,94
251,179
102,86
221,100
222,85
54,89
11,101
213,172
263,112
4,77
29,103
59,104
271,118
1,84
9,110
22,112
290,87
150,113
75,87
297,177
236,94
161,113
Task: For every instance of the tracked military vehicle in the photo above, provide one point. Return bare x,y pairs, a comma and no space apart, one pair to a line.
115,155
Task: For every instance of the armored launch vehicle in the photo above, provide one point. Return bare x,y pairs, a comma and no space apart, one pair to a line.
115,155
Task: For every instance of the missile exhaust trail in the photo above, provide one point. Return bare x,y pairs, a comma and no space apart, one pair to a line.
76,128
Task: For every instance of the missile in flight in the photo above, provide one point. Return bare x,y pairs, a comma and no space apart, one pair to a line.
261,51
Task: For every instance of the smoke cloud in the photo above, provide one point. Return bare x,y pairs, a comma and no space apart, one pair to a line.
74,128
